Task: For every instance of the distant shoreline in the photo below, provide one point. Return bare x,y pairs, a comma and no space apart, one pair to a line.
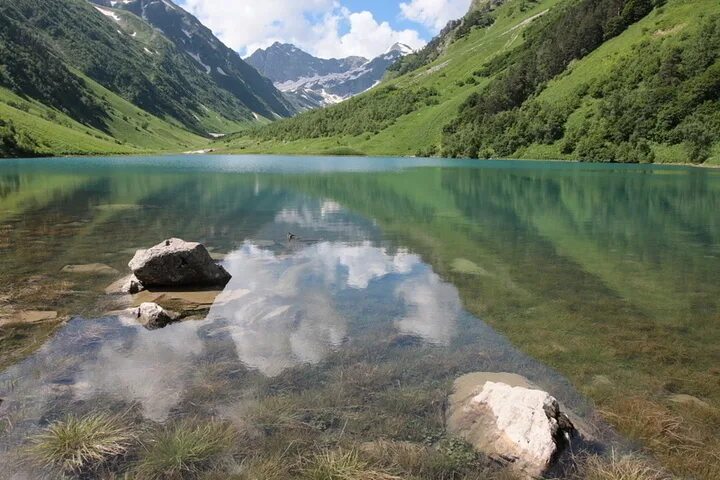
220,153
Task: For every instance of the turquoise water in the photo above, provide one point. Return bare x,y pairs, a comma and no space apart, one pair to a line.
592,280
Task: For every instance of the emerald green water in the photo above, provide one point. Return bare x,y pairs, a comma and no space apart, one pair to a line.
598,282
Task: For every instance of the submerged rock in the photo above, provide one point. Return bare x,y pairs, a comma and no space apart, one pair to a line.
177,263
90,269
467,267
189,303
184,302
217,256
29,316
153,316
126,285
506,418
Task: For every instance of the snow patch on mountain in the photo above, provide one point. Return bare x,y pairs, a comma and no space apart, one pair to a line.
108,13
401,48
197,58
321,90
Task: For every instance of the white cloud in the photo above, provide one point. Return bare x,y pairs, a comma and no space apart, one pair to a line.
434,14
322,27
366,36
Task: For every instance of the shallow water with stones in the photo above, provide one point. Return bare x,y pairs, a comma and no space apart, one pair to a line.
411,272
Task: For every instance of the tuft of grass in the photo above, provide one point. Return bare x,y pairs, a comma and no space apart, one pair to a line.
275,413
184,450
684,446
276,467
341,465
619,468
81,444
411,458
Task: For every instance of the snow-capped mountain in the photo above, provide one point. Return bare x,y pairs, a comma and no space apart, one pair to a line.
311,82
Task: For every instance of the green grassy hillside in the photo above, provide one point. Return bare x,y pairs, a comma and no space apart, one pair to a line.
544,80
38,129
81,79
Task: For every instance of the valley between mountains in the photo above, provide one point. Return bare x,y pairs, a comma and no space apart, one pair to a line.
595,80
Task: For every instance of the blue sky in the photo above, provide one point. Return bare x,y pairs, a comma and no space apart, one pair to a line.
389,11
326,28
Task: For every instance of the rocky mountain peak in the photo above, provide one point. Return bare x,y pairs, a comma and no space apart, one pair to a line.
401,48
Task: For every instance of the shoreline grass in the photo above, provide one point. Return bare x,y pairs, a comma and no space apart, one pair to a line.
184,450
81,445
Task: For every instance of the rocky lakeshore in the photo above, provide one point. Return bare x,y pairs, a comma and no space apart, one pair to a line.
498,425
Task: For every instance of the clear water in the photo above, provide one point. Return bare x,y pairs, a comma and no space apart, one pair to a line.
591,280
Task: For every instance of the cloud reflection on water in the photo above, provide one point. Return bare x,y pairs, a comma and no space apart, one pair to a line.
281,309
279,322
288,316
433,308
152,370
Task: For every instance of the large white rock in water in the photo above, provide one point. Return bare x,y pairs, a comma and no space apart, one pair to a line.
177,263
504,417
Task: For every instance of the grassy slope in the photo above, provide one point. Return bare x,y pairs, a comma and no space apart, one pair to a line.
130,129
142,32
53,137
677,17
422,128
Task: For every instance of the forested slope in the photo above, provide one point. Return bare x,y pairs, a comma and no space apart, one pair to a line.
601,80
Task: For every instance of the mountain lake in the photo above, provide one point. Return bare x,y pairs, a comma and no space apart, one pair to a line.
600,283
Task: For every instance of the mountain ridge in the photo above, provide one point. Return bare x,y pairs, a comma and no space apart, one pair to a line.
312,82
282,62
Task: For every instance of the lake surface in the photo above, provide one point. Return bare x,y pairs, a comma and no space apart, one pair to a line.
597,282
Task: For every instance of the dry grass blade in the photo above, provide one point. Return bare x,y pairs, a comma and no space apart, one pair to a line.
341,465
619,468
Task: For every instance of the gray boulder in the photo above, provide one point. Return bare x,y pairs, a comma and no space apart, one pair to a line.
177,263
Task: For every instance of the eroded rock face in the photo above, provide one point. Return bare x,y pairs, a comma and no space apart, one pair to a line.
506,418
176,263
153,316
